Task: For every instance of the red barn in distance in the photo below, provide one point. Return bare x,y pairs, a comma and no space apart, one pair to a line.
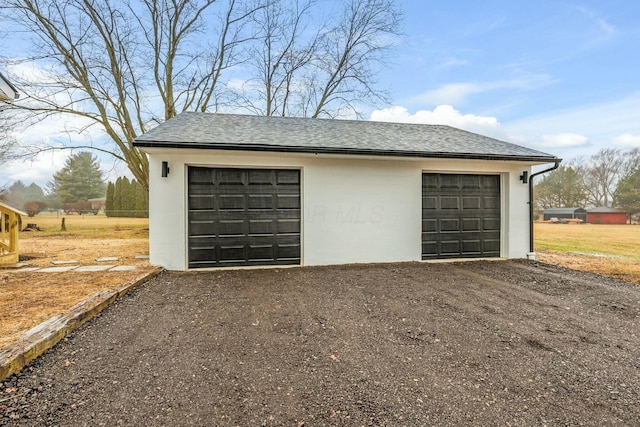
605,215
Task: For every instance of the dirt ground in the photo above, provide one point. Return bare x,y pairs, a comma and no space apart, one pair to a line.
503,343
28,299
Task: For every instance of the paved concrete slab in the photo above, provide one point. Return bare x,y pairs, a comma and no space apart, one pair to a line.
91,268
65,262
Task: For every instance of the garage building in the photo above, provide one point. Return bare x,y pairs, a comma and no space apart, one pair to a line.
605,215
565,213
235,190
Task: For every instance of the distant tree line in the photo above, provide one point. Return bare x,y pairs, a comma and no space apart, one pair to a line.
610,178
126,199
73,189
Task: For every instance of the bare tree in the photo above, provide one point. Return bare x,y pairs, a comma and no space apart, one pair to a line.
602,172
109,62
345,74
8,146
123,66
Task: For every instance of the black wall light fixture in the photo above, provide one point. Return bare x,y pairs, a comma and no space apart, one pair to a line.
524,177
165,169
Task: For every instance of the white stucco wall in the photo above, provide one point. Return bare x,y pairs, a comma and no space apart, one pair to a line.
356,209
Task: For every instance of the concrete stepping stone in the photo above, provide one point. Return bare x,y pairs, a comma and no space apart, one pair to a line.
26,270
108,259
91,268
13,266
142,256
57,269
65,262
123,268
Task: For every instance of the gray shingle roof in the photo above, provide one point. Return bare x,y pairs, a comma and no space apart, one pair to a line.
288,134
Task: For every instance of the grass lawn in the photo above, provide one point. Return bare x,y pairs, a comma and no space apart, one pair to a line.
590,239
611,250
87,226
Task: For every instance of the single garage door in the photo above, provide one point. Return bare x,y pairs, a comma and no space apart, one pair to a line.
243,217
460,216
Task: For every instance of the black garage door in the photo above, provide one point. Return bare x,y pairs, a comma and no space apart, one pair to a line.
243,217
460,216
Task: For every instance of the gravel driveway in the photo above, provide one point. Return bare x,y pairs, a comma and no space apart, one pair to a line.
504,343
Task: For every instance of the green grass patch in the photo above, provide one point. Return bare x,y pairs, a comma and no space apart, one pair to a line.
609,240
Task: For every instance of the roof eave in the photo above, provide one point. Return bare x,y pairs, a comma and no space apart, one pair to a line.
344,151
16,94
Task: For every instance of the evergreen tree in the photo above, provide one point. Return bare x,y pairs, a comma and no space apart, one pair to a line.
564,187
627,195
117,198
142,201
79,179
18,194
128,198
108,205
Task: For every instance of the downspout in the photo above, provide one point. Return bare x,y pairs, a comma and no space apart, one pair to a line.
532,255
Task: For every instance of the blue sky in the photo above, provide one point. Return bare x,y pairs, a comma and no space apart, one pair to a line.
559,76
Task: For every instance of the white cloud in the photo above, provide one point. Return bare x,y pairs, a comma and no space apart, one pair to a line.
562,140
627,140
39,169
451,93
441,115
602,123
457,93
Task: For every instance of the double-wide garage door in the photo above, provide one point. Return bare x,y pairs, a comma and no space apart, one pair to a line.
243,217
460,216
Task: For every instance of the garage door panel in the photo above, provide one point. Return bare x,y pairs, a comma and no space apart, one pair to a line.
291,177
229,178
261,252
471,224
288,226
232,228
471,202
262,226
205,228
469,182
260,176
429,225
460,216
243,217
449,203
231,201
491,202
452,224
260,201
491,224
492,246
429,203
472,246
450,247
201,202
